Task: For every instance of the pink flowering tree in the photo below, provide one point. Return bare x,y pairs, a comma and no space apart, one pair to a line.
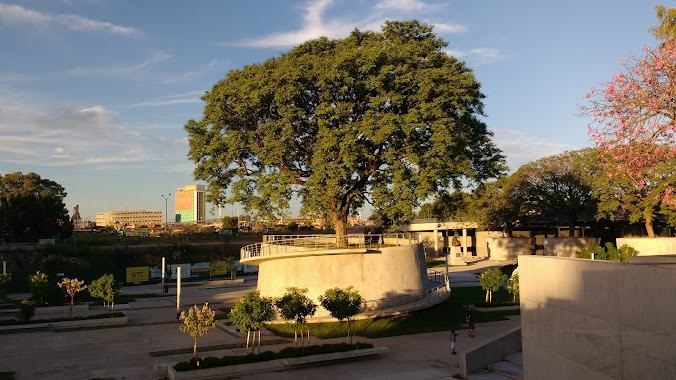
634,128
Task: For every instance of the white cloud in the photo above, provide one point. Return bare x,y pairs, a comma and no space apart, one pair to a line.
16,14
316,25
191,97
131,70
68,135
520,148
477,55
403,5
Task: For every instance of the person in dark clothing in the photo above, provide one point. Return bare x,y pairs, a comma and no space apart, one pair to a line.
454,338
469,318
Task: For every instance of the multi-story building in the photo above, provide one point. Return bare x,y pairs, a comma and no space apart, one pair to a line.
133,218
190,203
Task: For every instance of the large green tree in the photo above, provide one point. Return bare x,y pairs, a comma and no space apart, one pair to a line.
558,187
666,30
387,118
32,208
497,205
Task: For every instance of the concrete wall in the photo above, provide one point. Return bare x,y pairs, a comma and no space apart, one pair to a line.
388,273
650,246
568,247
477,358
584,319
508,248
482,248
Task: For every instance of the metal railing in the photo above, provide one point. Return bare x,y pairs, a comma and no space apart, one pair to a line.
413,301
286,244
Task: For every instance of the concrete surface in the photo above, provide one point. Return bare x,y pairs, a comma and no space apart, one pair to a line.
649,246
123,352
585,319
502,248
569,247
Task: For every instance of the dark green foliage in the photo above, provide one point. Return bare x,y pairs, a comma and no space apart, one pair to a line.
32,208
385,117
26,310
610,253
288,352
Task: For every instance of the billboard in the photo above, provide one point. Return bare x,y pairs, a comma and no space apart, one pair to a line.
199,269
218,268
138,274
184,200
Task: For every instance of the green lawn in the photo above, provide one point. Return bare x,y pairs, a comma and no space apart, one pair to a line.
445,316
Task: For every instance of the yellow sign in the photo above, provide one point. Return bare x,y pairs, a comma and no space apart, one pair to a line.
138,274
218,268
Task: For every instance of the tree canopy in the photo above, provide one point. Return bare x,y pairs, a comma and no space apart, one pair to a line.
32,208
387,118
634,126
558,187
666,30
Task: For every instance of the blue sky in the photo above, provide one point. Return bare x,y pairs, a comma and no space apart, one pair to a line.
94,94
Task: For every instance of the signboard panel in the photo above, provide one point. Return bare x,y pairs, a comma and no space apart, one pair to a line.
218,268
138,274
199,269
185,270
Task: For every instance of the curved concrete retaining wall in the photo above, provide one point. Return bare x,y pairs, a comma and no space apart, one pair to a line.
382,274
650,246
508,248
569,247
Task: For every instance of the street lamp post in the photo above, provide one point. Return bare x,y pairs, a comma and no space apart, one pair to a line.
165,209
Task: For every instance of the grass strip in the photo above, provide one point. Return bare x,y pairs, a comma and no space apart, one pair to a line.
448,315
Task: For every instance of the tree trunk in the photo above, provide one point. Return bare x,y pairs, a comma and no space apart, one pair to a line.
194,349
72,302
648,216
295,338
348,329
487,291
572,219
340,224
248,333
259,342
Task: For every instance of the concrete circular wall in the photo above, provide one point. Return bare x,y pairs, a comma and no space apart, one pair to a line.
387,273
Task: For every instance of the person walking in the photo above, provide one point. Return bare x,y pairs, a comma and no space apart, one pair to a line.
469,318
454,338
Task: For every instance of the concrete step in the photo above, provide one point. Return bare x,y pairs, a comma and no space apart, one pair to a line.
516,358
486,375
509,369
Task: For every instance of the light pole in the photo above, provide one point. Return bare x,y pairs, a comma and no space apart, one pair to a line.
165,209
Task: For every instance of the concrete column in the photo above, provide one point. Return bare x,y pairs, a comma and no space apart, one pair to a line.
436,242
464,241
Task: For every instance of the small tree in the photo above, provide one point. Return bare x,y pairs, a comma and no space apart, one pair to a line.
250,314
342,304
26,310
39,284
4,285
72,287
105,288
231,266
296,306
492,280
513,285
197,323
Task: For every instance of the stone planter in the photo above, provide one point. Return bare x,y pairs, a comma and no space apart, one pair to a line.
270,365
99,322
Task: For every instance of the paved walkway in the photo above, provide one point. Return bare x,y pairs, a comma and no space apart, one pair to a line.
123,353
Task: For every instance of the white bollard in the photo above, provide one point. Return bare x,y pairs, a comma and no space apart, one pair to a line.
178,289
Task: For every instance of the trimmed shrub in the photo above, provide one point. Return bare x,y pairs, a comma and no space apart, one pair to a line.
26,310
